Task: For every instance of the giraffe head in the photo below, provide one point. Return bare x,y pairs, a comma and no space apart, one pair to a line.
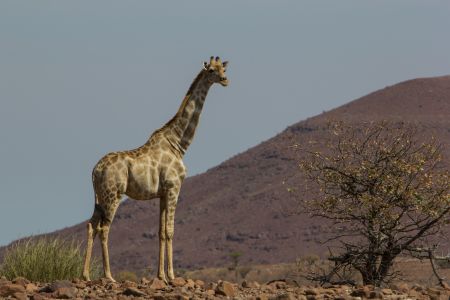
215,71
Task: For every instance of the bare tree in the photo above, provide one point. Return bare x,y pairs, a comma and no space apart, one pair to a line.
384,188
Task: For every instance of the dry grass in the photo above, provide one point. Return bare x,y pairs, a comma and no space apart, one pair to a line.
45,259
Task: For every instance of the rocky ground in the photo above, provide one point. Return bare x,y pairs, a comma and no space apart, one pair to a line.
181,288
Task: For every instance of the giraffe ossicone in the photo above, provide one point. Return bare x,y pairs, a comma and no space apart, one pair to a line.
154,170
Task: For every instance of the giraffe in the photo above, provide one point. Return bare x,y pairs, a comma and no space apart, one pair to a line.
154,170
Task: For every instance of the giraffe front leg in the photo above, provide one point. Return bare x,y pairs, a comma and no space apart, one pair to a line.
172,198
162,238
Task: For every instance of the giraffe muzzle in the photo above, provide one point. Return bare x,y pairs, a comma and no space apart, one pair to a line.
223,81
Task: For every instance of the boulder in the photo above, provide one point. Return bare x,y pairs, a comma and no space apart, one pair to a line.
225,288
190,284
311,291
21,280
157,284
131,291
9,289
20,296
199,283
363,292
66,292
250,284
178,281
145,281
31,288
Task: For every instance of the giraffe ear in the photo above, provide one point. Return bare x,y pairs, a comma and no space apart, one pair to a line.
205,65
224,64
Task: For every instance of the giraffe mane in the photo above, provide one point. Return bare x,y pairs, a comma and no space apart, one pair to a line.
183,104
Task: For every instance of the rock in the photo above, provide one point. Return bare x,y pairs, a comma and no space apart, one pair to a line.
178,281
250,284
110,286
127,283
3,281
66,292
54,286
170,297
190,284
414,294
401,287
286,296
262,297
386,291
131,291
363,291
211,286
145,281
157,284
31,288
433,291
20,296
225,288
38,297
21,280
311,291
9,289
199,283
375,294
101,281
80,284
278,284
418,287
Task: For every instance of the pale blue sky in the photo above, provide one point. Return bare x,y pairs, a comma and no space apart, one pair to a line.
79,79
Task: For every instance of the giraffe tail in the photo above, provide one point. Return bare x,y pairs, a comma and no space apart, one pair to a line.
99,217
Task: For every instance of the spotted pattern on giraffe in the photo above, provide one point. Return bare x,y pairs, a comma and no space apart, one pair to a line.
154,170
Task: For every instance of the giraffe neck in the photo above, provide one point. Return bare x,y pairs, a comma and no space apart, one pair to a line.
181,129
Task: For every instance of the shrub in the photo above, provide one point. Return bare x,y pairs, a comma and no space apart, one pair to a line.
45,259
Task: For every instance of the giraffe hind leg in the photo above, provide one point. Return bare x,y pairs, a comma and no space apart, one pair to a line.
107,219
92,228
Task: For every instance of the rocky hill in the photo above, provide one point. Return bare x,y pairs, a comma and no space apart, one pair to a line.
242,205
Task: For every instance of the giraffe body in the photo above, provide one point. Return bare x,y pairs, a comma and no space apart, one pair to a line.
154,170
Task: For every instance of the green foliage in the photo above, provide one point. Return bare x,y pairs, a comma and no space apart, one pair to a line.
235,256
45,259
383,186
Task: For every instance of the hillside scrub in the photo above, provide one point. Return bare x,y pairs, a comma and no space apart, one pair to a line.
44,260
384,188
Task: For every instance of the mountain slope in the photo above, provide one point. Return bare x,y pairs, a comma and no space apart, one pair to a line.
243,204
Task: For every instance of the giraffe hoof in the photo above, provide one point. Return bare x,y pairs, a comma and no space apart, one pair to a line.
164,279
109,278
86,277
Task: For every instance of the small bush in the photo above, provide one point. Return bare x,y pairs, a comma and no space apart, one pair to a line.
45,259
